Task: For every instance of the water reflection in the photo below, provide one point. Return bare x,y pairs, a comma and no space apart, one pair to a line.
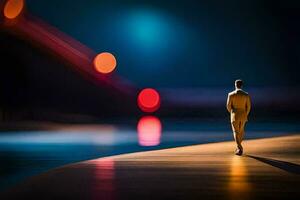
104,187
239,185
149,130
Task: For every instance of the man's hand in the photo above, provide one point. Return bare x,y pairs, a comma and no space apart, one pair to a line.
229,103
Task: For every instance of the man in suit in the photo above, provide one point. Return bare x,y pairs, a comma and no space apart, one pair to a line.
238,105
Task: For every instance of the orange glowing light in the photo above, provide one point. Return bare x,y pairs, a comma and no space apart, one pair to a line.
148,100
13,8
149,131
105,63
239,185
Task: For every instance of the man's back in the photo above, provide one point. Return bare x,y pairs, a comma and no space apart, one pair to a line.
238,104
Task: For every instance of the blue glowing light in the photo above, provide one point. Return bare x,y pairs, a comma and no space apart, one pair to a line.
149,30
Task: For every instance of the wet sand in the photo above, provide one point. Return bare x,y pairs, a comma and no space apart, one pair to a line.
270,168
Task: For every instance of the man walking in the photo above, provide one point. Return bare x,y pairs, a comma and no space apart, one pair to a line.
238,105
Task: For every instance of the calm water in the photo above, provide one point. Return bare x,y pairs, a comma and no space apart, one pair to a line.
27,153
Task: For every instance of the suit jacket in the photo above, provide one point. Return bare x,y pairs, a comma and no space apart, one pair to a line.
238,105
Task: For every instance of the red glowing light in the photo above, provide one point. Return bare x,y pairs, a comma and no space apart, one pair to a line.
105,169
103,179
149,131
149,100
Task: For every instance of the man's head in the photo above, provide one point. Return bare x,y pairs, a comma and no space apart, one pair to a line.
238,84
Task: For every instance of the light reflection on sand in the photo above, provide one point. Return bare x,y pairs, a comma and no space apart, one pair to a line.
239,184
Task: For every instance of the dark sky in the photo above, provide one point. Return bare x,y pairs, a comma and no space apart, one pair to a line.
187,43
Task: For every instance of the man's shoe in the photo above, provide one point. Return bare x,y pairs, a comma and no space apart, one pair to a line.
239,152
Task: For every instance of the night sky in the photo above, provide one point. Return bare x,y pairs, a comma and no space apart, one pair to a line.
187,43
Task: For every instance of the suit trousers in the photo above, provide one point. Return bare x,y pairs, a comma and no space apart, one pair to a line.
238,129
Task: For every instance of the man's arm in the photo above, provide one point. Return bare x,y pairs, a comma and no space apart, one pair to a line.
229,102
248,105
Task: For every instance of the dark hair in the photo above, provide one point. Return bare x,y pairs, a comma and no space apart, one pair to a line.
239,83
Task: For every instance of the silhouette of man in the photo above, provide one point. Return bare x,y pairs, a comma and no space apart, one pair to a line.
238,105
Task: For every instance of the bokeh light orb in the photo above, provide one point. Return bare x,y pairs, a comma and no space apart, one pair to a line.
149,130
13,8
148,100
105,63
